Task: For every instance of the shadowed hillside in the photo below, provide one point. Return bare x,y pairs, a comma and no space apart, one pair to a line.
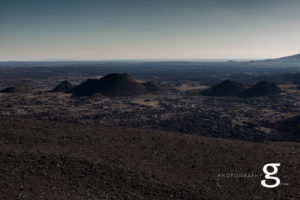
226,88
263,88
231,88
64,86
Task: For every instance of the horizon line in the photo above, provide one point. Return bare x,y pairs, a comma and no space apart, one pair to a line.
142,59
139,59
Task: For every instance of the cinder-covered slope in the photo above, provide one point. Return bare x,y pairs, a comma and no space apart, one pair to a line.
115,85
54,160
226,88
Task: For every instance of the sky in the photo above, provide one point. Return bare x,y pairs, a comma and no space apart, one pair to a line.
148,29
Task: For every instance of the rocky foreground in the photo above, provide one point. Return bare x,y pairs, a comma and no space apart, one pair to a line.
41,159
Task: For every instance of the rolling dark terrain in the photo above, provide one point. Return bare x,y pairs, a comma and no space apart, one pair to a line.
149,130
55,160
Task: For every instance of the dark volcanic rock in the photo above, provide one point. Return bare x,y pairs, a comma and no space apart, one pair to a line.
64,86
263,88
115,85
20,89
287,130
226,88
50,160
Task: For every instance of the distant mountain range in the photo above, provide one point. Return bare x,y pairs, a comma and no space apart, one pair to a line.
290,58
285,62
293,58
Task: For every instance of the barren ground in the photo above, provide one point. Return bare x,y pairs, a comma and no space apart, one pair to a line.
54,160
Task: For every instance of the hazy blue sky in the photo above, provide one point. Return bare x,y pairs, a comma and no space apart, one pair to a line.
137,29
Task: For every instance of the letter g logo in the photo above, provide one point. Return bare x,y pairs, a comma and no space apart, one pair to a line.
268,175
